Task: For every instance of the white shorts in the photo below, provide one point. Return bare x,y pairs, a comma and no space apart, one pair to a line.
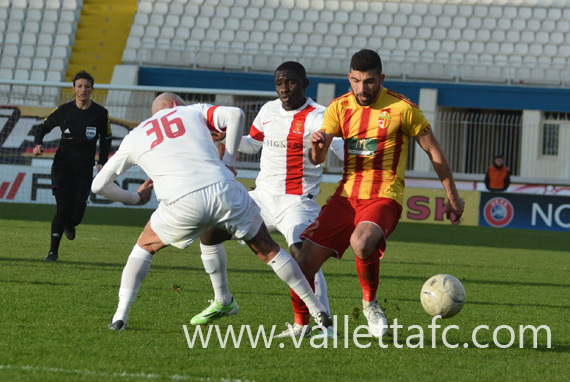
225,205
288,214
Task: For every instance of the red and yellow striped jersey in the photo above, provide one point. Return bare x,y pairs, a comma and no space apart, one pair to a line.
376,143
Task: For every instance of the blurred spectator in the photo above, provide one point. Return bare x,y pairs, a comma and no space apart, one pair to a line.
498,176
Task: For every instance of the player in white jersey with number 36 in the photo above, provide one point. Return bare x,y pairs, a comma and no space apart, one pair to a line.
287,184
195,189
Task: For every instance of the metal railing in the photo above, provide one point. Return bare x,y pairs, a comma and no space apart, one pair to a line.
471,139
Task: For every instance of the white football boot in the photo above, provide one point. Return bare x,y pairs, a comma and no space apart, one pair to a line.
377,322
294,331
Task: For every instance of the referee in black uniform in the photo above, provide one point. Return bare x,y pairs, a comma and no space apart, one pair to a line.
82,123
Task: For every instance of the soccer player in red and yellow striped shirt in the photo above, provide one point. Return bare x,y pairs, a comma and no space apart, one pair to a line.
376,125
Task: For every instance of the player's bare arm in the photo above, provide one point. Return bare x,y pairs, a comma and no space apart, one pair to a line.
38,150
232,169
218,136
145,190
320,142
431,146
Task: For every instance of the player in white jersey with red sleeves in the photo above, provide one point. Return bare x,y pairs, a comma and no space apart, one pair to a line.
287,184
195,189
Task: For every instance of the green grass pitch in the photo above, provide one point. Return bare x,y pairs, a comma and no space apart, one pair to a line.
54,316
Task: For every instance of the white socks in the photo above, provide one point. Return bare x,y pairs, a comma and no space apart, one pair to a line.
321,290
135,271
288,270
216,264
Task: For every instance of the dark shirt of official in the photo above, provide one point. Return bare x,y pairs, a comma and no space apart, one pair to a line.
80,131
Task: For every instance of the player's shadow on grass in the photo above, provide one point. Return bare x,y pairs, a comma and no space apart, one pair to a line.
470,302
34,282
527,346
93,215
490,346
554,348
459,263
236,271
60,262
481,236
155,266
422,279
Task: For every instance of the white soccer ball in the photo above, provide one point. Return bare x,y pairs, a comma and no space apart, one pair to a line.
444,295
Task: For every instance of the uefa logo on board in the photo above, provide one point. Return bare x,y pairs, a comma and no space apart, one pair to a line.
498,212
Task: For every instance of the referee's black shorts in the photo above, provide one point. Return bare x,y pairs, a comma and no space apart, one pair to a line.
73,180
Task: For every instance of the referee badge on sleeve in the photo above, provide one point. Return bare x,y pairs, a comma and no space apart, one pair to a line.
90,132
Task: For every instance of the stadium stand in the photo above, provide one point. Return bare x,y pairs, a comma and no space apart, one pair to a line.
38,35
102,32
462,42
511,41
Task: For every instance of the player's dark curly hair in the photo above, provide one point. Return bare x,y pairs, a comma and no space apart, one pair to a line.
86,76
294,67
366,60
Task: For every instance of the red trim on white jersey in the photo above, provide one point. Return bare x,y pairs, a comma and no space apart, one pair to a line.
256,134
180,163
210,121
294,177
273,131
